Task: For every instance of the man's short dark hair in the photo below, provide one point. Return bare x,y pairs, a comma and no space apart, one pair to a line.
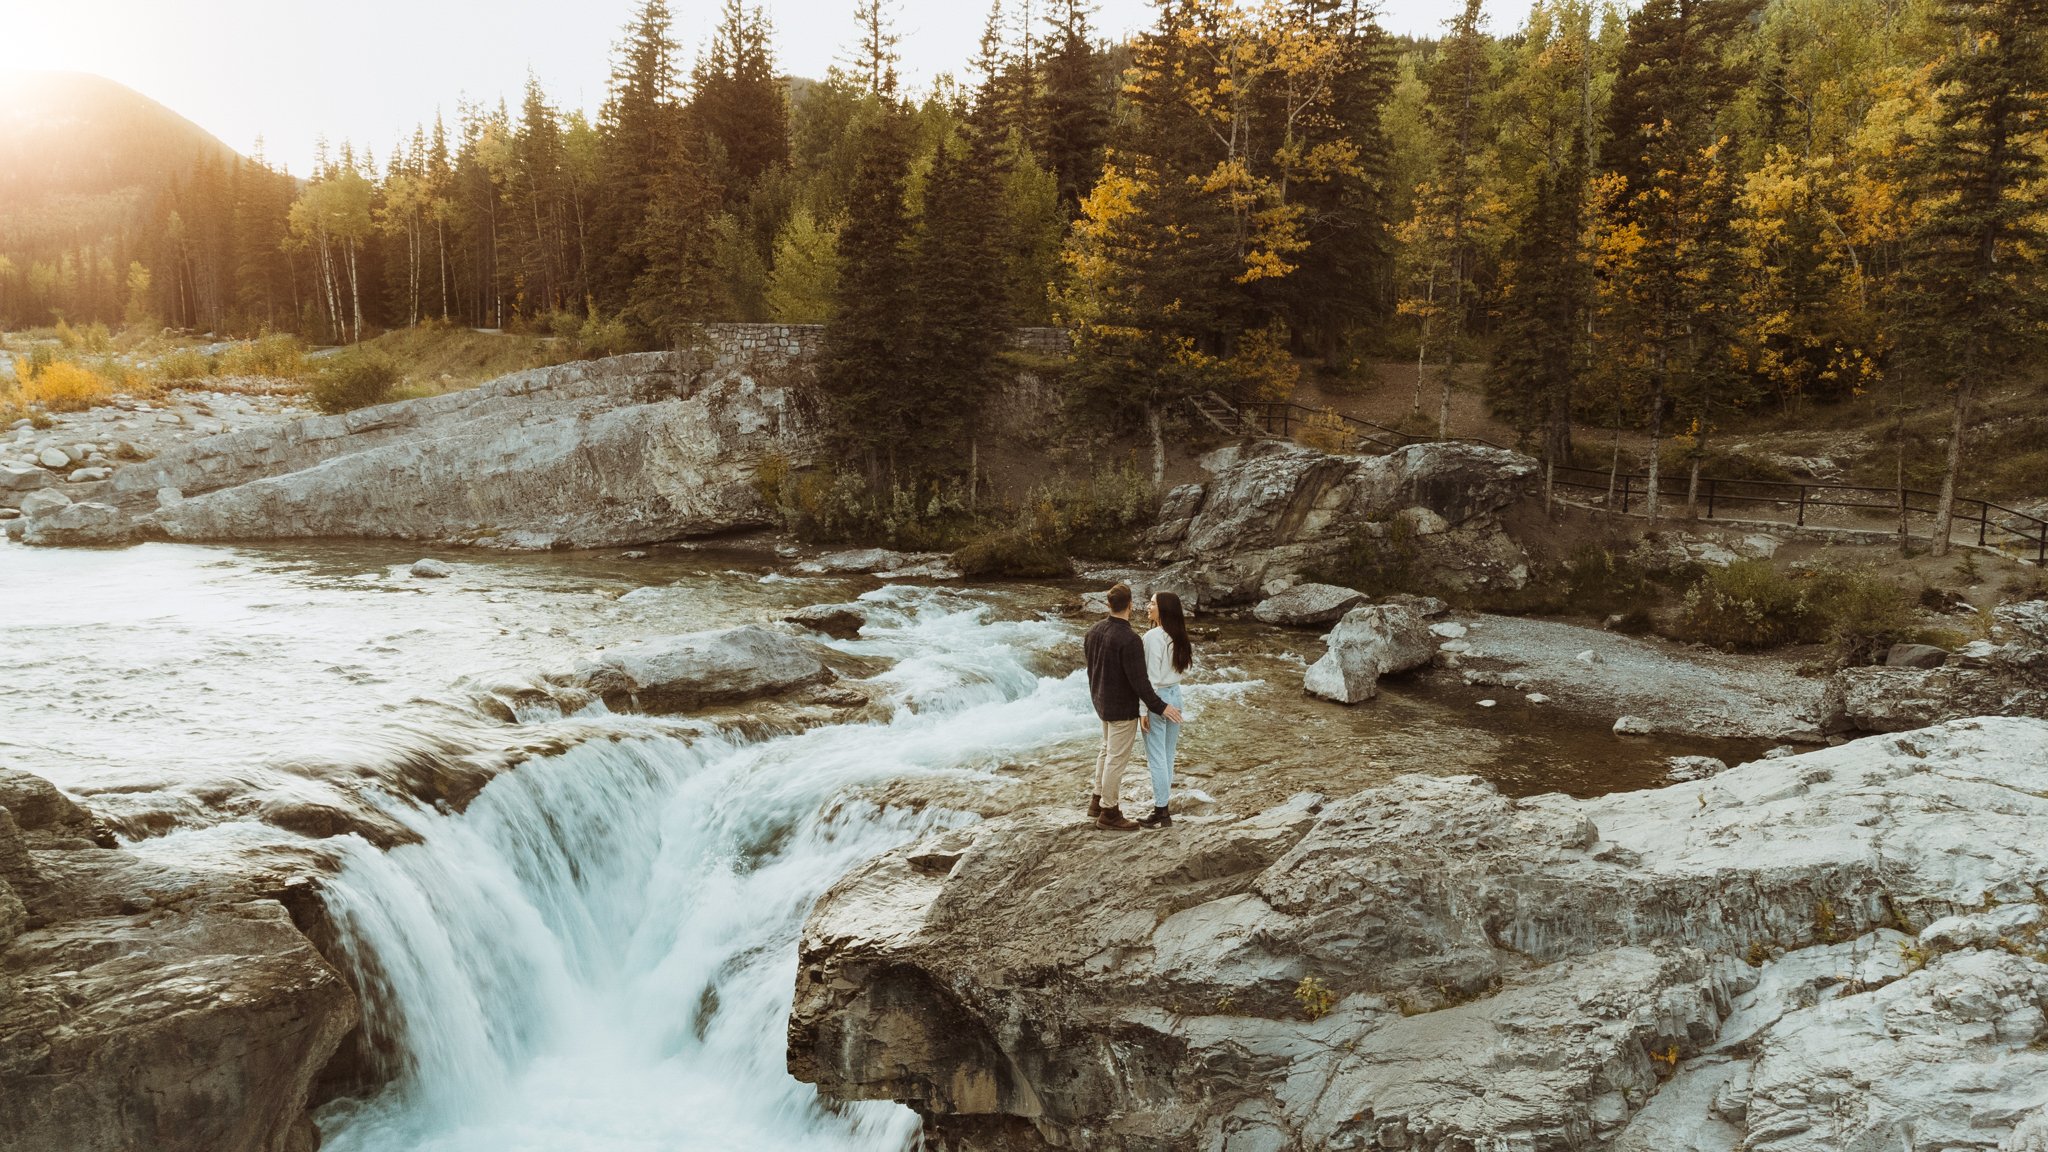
1119,597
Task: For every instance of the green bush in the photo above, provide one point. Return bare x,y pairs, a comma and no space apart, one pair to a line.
352,380
1750,605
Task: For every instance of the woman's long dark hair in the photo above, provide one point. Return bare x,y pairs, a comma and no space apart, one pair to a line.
1176,625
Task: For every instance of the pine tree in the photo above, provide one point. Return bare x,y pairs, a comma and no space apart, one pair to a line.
1459,87
864,364
1072,116
675,250
1662,255
640,119
1974,310
1341,282
739,101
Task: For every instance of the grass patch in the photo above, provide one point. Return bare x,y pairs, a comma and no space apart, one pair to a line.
436,358
276,354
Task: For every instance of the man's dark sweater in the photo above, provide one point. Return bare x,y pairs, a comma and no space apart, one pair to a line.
1116,671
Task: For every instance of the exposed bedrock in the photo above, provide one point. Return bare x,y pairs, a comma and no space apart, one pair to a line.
145,1006
1828,951
2005,675
624,450
1275,510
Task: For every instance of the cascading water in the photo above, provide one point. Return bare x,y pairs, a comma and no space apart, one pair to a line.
599,953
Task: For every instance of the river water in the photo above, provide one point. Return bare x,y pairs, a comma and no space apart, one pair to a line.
598,953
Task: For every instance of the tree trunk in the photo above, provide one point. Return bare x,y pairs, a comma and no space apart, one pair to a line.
1945,508
1692,488
1443,412
1656,442
1158,445
1899,461
973,472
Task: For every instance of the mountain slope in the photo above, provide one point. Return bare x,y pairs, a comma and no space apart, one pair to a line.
73,133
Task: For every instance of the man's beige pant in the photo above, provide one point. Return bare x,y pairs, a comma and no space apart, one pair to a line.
1119,737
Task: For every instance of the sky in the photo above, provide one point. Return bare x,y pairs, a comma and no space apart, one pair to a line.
291,71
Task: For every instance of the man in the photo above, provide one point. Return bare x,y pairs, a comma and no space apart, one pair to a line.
1119,685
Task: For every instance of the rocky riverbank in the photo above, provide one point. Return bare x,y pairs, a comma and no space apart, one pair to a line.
630,449
1811,953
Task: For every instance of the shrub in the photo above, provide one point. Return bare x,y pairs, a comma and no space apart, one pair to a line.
39,358
65,387
1326,431
182,364
1750,605
352,380
1015,551
278,354
603,336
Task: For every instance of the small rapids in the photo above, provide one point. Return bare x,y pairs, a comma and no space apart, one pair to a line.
599,953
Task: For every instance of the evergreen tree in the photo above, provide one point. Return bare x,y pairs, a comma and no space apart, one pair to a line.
1072,115
739,101
675,250
640,119
1661,259
1341,283
865,364
1459,89
1974,310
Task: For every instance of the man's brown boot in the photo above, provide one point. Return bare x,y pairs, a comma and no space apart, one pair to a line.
1094,807
1113,819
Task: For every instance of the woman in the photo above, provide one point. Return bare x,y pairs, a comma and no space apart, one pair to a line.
1167,656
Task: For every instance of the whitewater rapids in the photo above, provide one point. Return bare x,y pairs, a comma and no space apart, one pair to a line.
599,953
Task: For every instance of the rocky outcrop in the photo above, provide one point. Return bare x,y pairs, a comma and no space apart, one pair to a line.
1308,606
1370,642
882,562
596,453
677,673
147,1007
2006,675
1763,960
839,621
1273,510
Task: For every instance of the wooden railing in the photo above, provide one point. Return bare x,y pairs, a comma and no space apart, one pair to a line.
2010,531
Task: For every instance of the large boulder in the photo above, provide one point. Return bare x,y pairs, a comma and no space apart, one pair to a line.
839,621
1308,606
1370,642
150,1008
1431,965
1274,508
678,673
591,454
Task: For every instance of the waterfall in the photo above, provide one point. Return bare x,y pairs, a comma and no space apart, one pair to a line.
599,953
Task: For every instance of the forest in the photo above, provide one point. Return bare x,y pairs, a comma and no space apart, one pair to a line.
1648,217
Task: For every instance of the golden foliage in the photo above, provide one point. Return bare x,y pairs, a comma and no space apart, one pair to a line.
63,387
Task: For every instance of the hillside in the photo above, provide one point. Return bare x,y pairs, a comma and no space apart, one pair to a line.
73,133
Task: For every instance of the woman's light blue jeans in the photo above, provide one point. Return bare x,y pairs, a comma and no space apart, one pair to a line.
1162,740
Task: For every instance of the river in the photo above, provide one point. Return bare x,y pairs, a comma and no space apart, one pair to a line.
598,952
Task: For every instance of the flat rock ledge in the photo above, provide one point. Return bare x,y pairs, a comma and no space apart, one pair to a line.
1836,950
597,453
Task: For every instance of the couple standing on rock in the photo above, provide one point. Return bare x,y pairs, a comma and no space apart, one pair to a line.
1136,687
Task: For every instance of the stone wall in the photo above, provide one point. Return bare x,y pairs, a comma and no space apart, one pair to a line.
731,345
